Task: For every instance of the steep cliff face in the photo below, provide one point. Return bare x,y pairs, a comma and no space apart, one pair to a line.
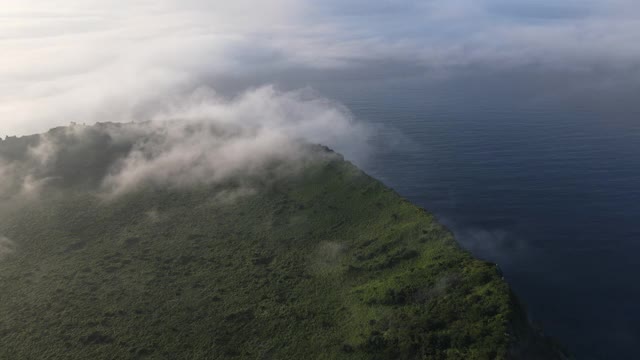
307,260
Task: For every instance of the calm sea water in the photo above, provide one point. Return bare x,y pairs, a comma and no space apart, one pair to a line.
537,172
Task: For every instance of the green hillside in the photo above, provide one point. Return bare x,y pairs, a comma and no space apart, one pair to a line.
324,264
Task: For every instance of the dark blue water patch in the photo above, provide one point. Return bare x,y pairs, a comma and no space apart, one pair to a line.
540,174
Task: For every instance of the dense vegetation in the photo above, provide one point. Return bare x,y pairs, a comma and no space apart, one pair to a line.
327,264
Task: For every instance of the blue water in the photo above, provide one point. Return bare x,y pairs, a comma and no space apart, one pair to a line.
537,172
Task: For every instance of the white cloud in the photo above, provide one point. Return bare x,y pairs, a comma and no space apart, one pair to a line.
201,138
92,60
6,247
207,138
6,171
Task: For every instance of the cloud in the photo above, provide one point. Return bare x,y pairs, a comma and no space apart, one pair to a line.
90,60
200,138
496,244
6,171
6,247
207,138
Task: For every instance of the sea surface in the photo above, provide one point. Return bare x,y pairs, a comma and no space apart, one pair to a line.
536,171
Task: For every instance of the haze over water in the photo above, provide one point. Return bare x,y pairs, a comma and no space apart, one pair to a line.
538,173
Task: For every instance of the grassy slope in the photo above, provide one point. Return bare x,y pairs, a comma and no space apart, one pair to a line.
330,265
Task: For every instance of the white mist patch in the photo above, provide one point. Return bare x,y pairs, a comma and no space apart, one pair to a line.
499,245
327,258
153,215
200,138
226,197
206,139
6,176
6,247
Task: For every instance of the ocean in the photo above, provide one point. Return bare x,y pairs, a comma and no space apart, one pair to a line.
536,171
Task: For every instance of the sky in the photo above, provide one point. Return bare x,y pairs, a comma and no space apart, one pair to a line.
89,60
